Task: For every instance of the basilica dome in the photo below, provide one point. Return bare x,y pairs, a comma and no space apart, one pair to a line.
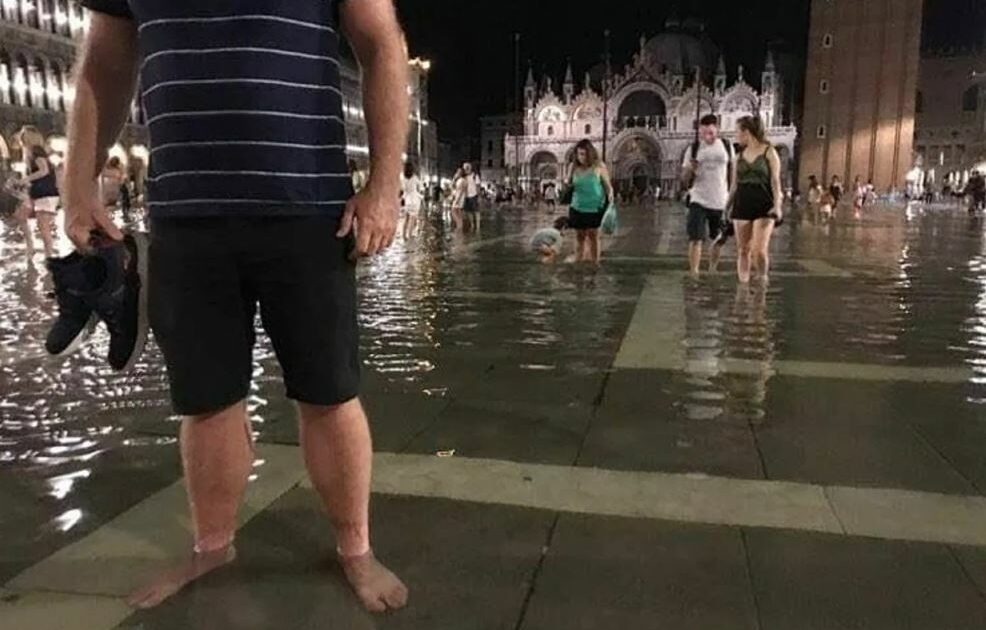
682,47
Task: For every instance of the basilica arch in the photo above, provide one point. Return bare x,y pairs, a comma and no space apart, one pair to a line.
636,161
648,94
544,166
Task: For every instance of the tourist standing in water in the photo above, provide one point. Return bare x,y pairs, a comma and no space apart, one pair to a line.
757,198
43,191
412,199
591,192
708,169
252,206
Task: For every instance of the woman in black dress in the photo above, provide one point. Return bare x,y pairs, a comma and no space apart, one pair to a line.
757,198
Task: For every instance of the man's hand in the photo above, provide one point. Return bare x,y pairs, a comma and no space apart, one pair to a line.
372,215
84,218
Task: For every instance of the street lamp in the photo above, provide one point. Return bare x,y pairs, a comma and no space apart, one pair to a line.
422,66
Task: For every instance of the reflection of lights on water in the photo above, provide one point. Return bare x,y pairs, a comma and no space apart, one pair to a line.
977,322
61,485
67,520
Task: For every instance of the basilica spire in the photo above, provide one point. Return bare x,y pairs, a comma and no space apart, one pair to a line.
568,88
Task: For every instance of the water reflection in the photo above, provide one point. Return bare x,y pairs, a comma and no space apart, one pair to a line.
437,313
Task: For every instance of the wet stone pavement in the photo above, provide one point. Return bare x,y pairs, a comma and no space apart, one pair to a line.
558,446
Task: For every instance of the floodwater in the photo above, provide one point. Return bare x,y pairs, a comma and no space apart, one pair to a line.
902,287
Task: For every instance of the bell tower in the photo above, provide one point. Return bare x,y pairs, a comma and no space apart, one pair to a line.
861,90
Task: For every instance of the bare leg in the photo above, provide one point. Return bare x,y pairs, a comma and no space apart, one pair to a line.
744,236
22,214
580,235
217,455
694,256
760,246
595,252
46,222
339,457
715,255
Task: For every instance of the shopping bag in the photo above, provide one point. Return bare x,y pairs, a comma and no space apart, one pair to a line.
611,220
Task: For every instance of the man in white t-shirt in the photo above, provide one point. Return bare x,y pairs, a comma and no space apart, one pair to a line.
709,167
470,183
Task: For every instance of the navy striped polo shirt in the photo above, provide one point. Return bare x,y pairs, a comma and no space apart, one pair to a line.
243,105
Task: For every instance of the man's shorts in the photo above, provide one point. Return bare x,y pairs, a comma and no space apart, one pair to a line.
471,204
703,223
207,278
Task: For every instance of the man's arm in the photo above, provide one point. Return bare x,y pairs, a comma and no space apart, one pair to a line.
375,35
105,80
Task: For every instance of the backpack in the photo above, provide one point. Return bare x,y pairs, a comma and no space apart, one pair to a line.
729,152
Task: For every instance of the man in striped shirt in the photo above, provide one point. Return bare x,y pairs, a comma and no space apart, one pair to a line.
251,203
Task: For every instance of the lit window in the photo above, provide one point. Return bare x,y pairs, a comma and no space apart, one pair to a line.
827,40
588,129
551,130
823,87
822,132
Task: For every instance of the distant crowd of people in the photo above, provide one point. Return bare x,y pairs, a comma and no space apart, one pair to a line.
30,195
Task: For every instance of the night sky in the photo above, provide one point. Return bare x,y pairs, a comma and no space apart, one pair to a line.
471,41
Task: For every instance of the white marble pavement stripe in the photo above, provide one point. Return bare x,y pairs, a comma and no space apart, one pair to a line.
537,297
872,512
688,498
657,329
656,338
128,550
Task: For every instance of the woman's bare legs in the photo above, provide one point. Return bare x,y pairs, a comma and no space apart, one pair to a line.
744,239
21,215
580,250
595,252
763,229
46,227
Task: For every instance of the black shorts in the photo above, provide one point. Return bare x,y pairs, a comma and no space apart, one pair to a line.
584,220
208,276
703,223
471,204
752,203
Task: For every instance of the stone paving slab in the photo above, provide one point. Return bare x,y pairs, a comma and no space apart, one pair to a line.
973,561
961,444
835,433
805,581
526,434
58,611
45,509
129,549
604,572
468,567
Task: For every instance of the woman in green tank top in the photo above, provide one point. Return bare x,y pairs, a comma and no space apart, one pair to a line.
756,199
592,191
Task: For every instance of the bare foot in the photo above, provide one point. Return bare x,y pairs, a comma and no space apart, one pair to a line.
177,578
376,586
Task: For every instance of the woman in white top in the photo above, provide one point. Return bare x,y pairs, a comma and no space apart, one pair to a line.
411,199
